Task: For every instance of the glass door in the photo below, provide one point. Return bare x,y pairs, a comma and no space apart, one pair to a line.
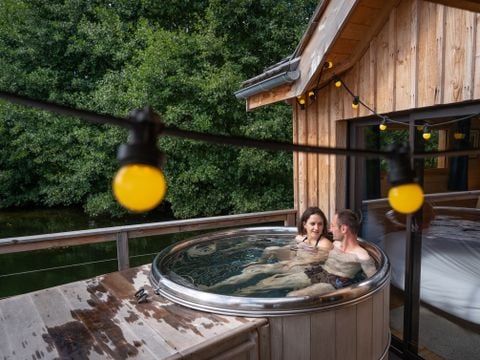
435,253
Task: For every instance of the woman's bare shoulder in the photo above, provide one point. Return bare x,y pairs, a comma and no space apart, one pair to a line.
299,238
325,243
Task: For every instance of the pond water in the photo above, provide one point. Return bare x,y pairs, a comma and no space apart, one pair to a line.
27,271
47,221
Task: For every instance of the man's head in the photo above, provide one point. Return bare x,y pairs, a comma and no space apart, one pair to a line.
344,221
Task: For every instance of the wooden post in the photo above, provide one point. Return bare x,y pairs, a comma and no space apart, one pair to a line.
122,251
291,220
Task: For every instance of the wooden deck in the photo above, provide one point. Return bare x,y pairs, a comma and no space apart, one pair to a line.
100,318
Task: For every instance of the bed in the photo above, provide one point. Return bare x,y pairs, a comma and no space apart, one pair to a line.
450,270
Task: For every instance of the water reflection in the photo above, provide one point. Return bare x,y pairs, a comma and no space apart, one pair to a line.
18,271
47,221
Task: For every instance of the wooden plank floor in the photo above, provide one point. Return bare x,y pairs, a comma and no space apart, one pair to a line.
100,318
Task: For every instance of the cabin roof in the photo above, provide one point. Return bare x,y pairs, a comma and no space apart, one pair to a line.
338,31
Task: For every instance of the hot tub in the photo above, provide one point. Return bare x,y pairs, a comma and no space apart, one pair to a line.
351,322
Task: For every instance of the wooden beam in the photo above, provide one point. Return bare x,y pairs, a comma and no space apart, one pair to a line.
269,97
328,29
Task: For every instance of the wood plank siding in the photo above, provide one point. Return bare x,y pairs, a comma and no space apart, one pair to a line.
421,54
357,331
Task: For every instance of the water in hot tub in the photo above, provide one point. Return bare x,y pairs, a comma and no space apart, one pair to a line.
249,265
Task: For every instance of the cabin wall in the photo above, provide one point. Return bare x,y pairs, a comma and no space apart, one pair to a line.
426,54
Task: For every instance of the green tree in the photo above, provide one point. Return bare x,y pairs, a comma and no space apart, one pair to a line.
117,56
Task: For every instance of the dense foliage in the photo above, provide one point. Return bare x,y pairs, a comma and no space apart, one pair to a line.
185,59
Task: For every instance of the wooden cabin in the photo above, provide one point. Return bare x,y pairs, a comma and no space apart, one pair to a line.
411,59
414,65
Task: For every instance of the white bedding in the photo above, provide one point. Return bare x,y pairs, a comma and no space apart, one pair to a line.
450,271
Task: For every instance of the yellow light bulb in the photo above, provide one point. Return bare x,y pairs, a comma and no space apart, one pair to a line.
382,127
328,65
139,187
427,135
459,136
311,94
420,127
302,101
406,198
354,105
338,83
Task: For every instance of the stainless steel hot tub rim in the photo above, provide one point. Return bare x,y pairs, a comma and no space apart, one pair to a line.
257,306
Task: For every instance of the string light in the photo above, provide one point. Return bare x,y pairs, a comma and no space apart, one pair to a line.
426,132
301,101
355,102
140,185
383,125
312,94
337,81
458,135
141,159
405,196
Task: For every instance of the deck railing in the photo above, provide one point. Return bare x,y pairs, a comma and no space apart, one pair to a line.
435,199
122,234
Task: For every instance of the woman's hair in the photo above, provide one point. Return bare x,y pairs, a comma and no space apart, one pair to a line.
309,212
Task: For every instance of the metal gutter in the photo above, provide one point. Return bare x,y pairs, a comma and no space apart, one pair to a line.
267,84
282,66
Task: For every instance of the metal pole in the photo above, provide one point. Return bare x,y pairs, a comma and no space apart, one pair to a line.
413,259
413,253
